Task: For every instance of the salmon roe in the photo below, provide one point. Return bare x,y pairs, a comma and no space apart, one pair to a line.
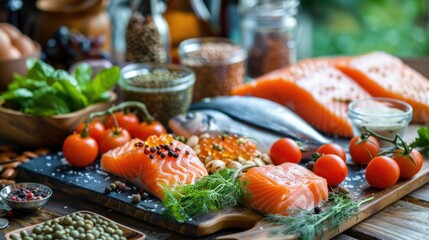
227,147
153,141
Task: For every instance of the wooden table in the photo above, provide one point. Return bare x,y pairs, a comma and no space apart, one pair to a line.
407,218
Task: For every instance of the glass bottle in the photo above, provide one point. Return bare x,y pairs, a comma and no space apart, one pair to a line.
268,32
186,19
147,37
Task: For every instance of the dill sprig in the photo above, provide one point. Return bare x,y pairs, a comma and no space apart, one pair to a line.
309,224
217,191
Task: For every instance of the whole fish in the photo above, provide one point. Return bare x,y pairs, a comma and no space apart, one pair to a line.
266,115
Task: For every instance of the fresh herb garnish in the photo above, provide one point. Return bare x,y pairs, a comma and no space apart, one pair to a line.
217,191
422,140
44,91
309,224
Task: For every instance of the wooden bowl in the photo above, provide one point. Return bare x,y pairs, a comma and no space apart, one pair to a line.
34,131
9,67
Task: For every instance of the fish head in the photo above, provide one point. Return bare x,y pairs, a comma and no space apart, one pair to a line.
192,123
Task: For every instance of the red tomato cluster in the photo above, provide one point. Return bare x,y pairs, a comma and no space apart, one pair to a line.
381,171
81,149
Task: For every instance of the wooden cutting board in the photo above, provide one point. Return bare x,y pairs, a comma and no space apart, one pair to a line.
89,184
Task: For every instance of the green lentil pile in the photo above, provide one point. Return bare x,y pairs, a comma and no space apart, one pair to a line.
163,91
74,226
157,78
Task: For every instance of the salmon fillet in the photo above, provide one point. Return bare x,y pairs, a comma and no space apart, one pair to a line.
384,75
277,189
314,89
152,171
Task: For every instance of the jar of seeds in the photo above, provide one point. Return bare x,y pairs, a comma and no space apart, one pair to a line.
165,89
268,31
218,63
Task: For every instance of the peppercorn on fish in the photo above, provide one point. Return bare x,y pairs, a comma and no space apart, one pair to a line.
158,162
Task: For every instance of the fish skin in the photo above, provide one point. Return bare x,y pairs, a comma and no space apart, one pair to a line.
214,122
264,114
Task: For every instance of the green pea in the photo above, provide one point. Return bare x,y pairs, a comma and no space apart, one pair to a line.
58,227
27,238
115,236
96,233
67,220
48,237
119,232
37,230
24,233
74,233
82,236
15,237
90,236
80,229
38,237
110,230
123,238
88,227
55,221
80,223
59,234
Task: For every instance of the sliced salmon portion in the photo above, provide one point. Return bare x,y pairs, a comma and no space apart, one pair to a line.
277,189
171,163
384,75
313,89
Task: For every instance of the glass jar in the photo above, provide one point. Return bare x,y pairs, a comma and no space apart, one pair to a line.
387,117
165,89
147,36
268,33
218,63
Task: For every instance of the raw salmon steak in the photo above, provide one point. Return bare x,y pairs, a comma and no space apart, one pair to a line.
158,162
277,189
384,75
313,89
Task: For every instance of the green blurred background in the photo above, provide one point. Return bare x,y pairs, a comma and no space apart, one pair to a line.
336,27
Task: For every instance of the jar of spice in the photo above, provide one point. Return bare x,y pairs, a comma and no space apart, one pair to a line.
268,33
147,38
165,89
218,63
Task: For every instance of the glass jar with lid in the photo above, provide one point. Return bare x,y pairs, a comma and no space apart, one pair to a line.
268,33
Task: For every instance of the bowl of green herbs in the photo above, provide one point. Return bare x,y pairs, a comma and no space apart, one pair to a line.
45,105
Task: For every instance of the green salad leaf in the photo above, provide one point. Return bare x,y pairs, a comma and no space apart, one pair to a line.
44,91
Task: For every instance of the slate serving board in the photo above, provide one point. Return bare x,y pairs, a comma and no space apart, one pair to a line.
89,183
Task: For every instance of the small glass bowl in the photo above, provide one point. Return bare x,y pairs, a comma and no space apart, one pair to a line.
25,206
165,89
386,116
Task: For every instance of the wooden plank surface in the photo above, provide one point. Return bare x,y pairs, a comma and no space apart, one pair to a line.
90,183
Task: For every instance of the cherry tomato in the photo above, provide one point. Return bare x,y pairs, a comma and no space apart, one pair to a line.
128,121
362,151
382,172
114,138
78,151
96,130
332,168
145,130
332,148
408,168
285,150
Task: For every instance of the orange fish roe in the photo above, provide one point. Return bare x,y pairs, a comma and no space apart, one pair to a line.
227,148
153,141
